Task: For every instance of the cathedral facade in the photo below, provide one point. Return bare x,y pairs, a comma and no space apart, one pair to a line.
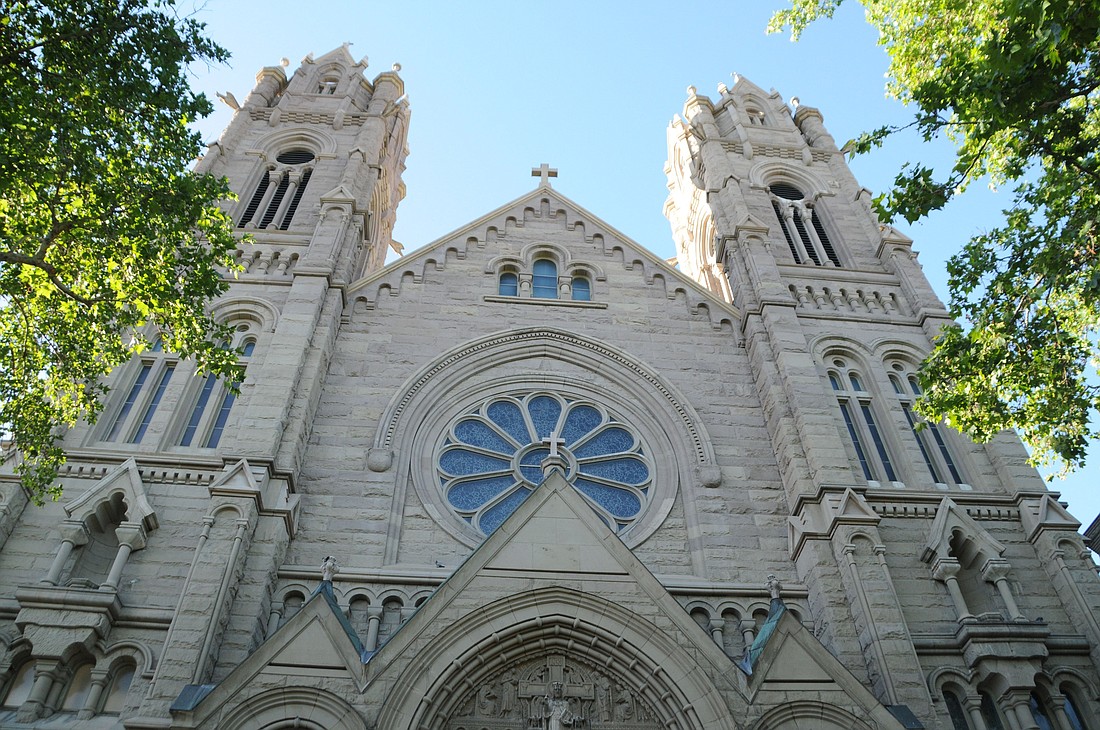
531,476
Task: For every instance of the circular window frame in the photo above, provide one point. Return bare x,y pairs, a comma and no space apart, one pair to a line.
666,467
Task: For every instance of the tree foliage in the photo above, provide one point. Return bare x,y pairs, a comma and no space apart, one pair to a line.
105,236
1014,85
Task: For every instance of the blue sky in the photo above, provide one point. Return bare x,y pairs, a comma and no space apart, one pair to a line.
497,88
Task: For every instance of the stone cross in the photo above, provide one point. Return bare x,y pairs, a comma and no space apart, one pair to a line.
554,440
545,172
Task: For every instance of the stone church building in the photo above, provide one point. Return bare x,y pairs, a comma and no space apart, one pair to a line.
532,477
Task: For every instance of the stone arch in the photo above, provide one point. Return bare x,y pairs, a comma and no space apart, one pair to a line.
127,651
765,173
300,707
456,382
555,621
250,309
318,142
809,713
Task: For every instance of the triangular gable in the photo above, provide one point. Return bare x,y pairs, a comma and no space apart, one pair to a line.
1046,514
950,516
317,642
124,479
241,479
553,560
794,661
390,275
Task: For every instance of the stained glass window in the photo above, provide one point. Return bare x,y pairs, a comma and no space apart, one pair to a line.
491,459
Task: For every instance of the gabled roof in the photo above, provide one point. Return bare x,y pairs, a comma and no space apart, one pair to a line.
457,241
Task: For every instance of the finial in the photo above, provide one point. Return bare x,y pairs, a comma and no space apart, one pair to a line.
396,67
347,46
329,568
363,62
794,102
723,89
284,61
691,90
736,77
773,585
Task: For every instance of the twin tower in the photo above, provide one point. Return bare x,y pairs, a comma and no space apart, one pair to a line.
531,476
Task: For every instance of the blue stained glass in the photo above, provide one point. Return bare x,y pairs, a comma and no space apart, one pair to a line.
508,416
492,517
619,502
626,469
612,440
530,465
479,433
460,462
544,412
469,496
580,421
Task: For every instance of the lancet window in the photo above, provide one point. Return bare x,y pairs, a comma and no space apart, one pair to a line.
930,438
861,423
802,227
279,191
214,401
151,375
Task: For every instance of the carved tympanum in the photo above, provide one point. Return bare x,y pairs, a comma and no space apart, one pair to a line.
554,693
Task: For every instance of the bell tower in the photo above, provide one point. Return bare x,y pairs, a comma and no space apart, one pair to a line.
316,161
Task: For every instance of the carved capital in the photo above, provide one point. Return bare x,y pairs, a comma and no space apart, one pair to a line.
995,569
74,531
946,568
131,534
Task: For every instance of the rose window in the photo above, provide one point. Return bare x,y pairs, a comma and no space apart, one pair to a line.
490,460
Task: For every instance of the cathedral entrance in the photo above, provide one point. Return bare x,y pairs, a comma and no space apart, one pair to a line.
554,692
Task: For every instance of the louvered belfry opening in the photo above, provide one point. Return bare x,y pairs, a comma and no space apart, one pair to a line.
808,243
279,191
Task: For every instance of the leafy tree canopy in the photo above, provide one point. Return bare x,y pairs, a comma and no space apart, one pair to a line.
1014,85
106,238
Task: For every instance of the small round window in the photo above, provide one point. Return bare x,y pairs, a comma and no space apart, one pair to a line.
295,157
490,459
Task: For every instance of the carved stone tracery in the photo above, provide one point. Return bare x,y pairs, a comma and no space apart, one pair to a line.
518,699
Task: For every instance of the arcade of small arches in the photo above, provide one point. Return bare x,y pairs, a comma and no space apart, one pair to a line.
1057,701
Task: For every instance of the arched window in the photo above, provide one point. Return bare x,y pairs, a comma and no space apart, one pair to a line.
1073,708
860,422
327,84
756,117
990,713
131,421
930,439
292,604
955,711
544,279
509,284
582,289
802,227
115,698
1040,712
19,688
77,692
279,191
214,402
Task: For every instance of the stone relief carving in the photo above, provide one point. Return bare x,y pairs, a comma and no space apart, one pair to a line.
554,693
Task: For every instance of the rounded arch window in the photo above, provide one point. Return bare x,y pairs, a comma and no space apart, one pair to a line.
19,689
581,289
786,191
294,157
544,279
489,460
120,687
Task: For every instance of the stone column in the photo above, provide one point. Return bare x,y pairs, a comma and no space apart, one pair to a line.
716,626
374,618
131,537
292,185
973,705
1020,706
947,571
73,533
258,214
215,618
995,571
274,619
748,630
1061,719
44,676
100,677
